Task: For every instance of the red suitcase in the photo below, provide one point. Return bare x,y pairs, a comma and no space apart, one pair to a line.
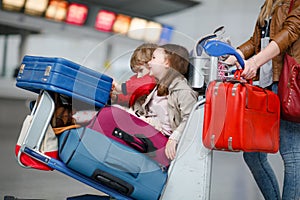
241,117
130,130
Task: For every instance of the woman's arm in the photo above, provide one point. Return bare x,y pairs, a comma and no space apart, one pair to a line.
252,64
281,41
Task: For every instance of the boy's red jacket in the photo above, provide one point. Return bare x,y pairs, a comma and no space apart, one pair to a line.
134,88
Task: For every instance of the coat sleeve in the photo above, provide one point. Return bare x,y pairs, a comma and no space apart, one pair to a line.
133,87
248,48
185,101
134,83
290,31
123,99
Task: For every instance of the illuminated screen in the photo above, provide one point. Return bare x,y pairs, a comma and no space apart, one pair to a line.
105,20
166,34
36,7
57,10
13,4
137,28
121,24
153,32
77,14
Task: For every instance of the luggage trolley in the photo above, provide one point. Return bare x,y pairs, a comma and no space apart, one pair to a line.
193,162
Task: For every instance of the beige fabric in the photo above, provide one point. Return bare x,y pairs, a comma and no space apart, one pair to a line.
181,100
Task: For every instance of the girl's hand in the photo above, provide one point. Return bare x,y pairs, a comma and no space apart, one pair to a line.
170,150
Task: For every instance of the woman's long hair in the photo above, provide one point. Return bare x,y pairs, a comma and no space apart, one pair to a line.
267,10
178,57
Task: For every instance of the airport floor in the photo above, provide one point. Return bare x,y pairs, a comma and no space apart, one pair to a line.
231,179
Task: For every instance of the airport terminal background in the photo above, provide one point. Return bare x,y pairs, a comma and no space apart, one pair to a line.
231,179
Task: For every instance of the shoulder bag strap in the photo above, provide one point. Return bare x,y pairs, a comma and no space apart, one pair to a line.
291,6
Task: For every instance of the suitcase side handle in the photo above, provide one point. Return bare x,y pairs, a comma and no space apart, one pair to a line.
138,141
113,182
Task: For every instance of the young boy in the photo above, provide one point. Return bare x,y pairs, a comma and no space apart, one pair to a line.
133,92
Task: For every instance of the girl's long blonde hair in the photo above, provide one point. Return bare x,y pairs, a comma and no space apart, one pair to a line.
267,10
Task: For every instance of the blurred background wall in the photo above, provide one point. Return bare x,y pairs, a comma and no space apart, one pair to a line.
238,17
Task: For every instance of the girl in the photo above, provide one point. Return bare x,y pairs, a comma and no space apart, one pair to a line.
168,106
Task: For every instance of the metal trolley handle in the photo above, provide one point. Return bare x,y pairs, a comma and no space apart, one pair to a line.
218,48
42,113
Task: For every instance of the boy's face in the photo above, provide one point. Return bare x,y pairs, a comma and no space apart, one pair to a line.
158,64
142,70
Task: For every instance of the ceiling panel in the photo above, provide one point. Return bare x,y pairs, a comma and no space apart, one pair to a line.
148,9
144,8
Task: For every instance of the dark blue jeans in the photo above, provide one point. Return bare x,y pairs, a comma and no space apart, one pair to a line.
290,153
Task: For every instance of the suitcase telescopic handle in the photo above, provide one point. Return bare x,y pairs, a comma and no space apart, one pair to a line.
137,141
218,48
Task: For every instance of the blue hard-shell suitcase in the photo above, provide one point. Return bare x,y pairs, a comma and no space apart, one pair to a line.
112,164
65,77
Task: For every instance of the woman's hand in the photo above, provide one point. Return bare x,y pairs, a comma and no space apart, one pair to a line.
252,64
231,60
171,149
250,69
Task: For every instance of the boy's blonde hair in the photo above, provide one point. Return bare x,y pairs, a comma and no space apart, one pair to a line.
142,55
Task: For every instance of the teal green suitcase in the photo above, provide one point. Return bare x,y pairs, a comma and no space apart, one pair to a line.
111,163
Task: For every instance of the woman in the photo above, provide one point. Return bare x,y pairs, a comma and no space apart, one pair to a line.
283,23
